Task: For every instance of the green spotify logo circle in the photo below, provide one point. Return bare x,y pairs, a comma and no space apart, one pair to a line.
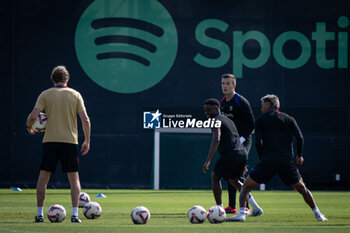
126,46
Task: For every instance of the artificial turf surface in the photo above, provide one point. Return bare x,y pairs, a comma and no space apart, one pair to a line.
284,211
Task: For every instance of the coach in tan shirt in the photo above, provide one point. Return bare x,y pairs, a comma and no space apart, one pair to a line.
61,105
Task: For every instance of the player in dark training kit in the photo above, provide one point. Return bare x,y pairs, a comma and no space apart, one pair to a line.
274,133
233,155
237,109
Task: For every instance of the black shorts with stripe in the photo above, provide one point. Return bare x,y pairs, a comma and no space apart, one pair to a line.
265,171
229,168
66,153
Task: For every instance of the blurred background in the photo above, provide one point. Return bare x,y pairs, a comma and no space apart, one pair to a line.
298,50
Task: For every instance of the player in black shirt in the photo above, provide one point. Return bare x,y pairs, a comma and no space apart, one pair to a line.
233,155
274,133
238,109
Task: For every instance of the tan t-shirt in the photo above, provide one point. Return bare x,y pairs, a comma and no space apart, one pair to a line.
61,106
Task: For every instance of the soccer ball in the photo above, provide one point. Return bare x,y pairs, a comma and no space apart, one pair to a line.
56,213
140,215
40,123
83,199
92,210
197,214
216,214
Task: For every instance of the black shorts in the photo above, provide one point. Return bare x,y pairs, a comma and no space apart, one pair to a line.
66,153
264,172
227,168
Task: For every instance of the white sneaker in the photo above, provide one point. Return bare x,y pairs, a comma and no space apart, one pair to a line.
257,212
237,218
320,217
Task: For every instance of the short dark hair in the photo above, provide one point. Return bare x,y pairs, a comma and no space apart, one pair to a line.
273,100
59,74
229,76
213,102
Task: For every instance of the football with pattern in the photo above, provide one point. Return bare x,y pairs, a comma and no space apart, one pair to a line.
216,214
92,210
39,124
56,213
197,214
140,215
83,199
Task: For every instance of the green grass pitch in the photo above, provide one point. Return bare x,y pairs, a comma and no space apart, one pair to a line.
284,211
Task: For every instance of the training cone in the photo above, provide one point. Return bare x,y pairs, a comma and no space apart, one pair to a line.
100,195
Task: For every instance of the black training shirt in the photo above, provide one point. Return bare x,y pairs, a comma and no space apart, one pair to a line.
274,132
229,139
239,111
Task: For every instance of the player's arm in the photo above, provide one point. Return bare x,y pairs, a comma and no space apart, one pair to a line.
258,138
249,116
39,106
31,119
215,141
299,141
85,121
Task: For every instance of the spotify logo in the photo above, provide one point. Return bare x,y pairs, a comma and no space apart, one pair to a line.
126,46
320,37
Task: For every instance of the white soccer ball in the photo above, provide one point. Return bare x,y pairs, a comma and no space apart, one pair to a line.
40,123
216,214
92,210
83,199
140,215
197,214
56,213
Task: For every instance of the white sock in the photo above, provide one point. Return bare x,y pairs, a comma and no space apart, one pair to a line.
252,202
241,211
40,211
220,205
316,210
75,211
